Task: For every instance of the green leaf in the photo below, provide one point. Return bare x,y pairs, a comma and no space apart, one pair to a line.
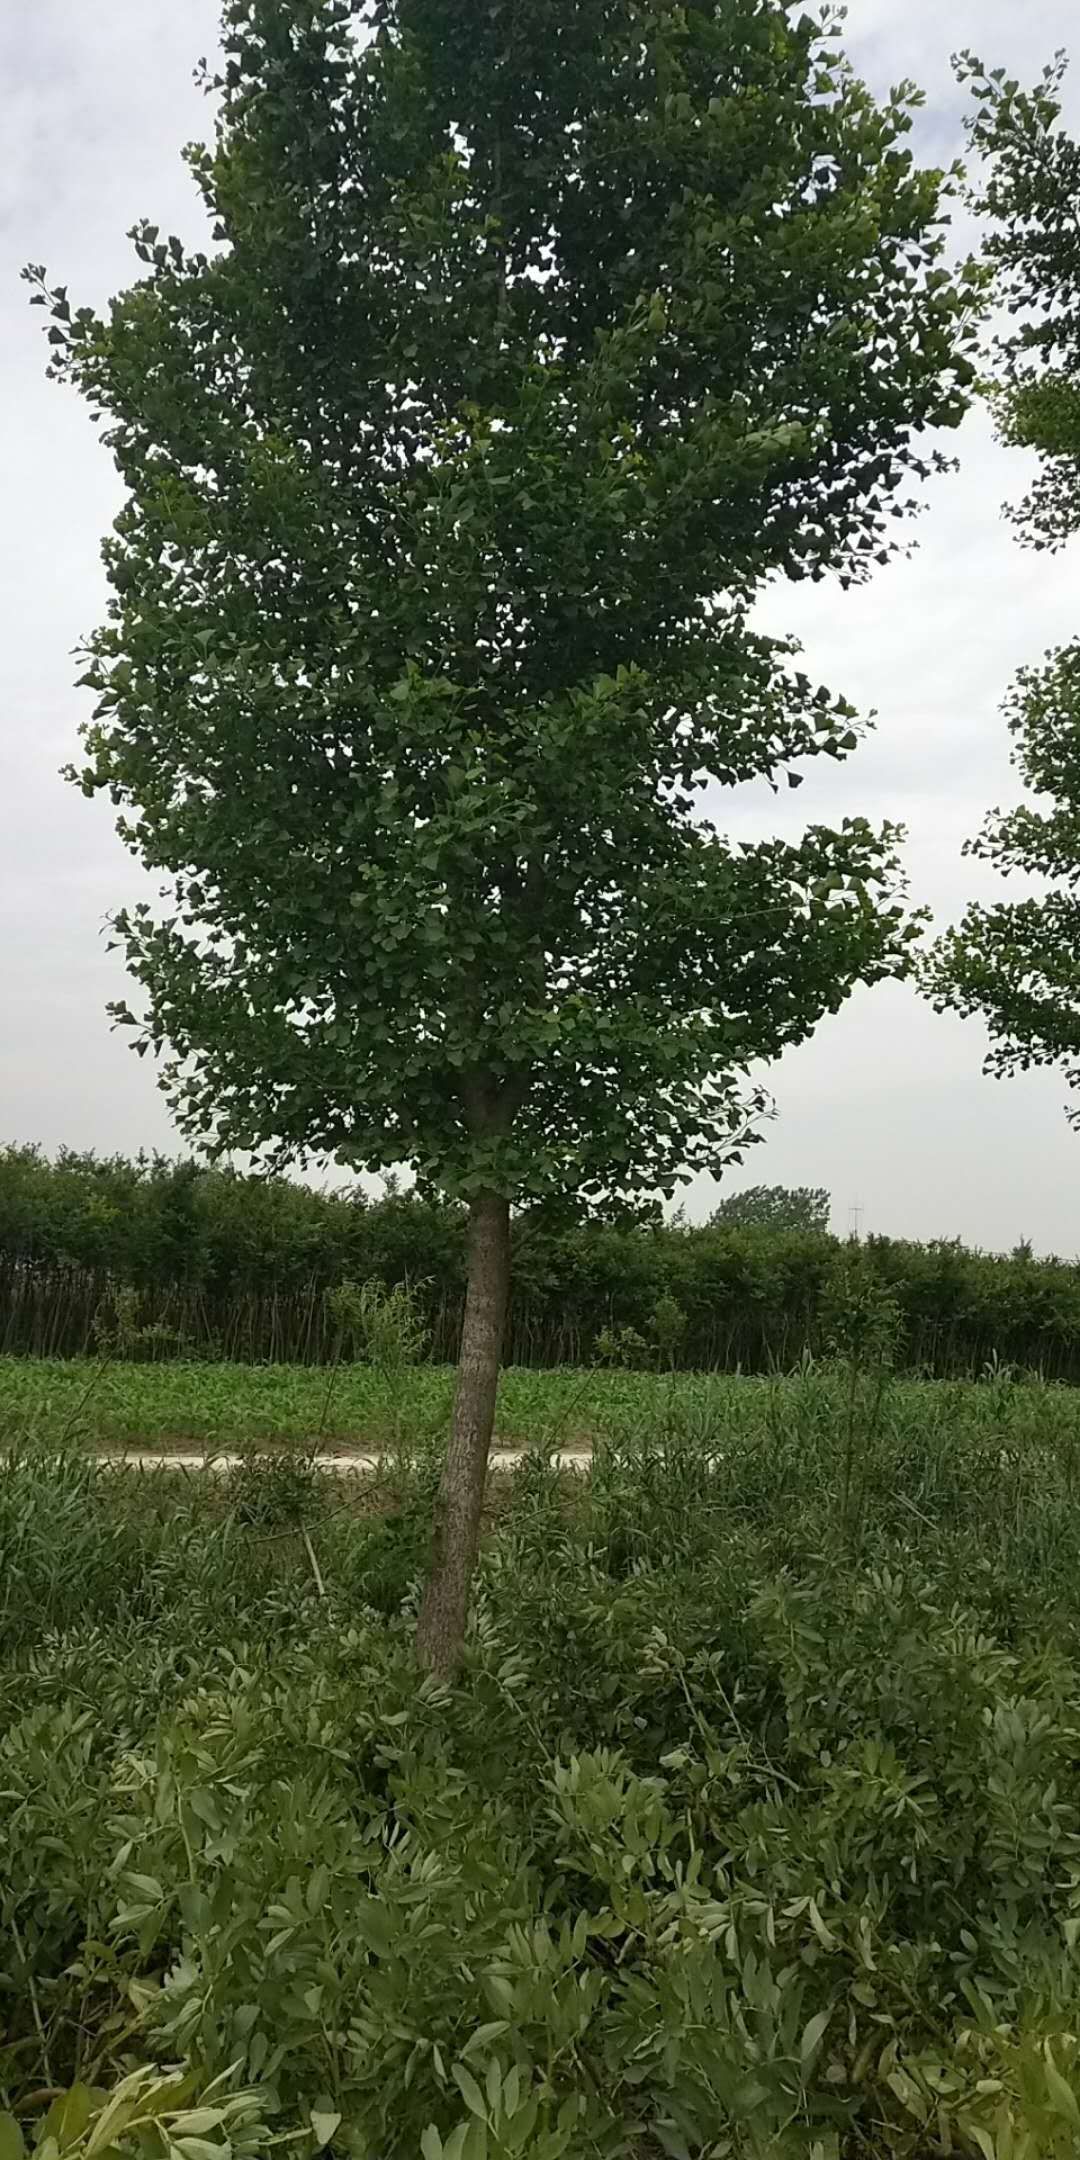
484,2035
518,2130
203,1803
469,2090
813,2034
374,1926
12,2145
68,2116
318,1889
147,1886
1062,2097
673,2141
324,2122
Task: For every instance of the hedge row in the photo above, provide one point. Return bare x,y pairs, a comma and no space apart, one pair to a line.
219,1265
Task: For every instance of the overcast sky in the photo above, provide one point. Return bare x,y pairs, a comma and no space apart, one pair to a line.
887,1105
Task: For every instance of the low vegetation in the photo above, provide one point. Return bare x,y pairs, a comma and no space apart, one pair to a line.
752,1826
236,1407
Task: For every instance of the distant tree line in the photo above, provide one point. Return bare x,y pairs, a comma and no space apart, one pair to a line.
209,1263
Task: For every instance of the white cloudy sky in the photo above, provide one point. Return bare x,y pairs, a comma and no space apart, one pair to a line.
887,1105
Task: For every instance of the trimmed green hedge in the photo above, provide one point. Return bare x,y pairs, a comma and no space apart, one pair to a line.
228,1266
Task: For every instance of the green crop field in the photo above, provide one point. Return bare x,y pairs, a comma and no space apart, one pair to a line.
226,1407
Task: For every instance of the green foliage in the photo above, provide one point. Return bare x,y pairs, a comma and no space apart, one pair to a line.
169,1225
1014,964
272,1491
97,1252
148,2115
383,1326
432,589
118,1331
621,1346
775,1207
865,1324
257,1258
735,1839
288,1412
862,1313
667,1327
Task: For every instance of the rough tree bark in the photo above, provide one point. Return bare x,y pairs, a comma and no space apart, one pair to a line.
440,1632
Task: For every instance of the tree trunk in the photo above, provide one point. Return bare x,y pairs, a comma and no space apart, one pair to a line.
440,1633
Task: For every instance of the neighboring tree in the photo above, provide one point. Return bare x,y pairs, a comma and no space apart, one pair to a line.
533,341
775,1207
1017,964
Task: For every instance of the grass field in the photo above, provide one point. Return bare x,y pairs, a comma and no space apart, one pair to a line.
235,1406
751,1829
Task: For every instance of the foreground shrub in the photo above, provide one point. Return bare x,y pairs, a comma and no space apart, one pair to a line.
751,1830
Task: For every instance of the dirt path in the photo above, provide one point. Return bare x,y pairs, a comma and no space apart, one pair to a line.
336,1465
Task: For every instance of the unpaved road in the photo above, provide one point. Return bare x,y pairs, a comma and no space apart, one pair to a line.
335,1465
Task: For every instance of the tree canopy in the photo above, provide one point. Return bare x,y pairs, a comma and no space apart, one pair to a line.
1017,963
530,343
775,1207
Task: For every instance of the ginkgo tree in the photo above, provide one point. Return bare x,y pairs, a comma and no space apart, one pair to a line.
529,343
1016,963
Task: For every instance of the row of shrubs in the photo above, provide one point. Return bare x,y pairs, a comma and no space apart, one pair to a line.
211,1263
